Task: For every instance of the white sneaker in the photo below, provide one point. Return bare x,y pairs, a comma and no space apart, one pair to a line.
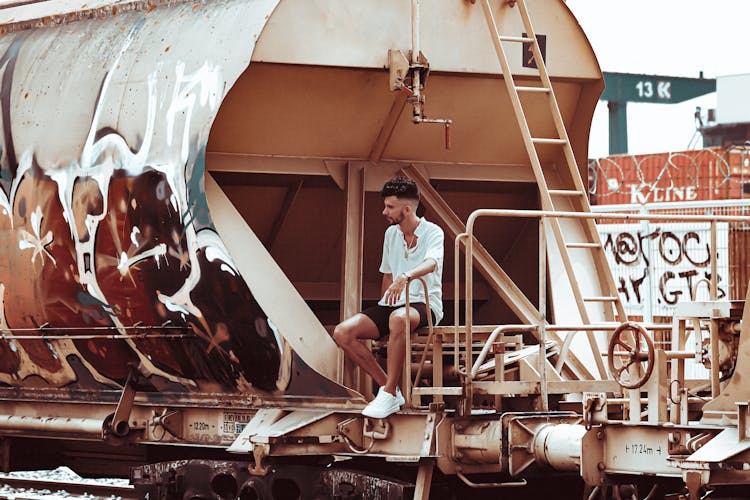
400,397
383,405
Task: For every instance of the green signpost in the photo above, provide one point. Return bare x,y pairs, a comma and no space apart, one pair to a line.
622,88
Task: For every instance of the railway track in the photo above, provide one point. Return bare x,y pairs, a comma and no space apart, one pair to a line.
33,488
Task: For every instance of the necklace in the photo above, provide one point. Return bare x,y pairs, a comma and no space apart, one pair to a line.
409,245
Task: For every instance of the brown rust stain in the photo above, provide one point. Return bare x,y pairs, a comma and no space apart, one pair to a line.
84,13
469,7
87,200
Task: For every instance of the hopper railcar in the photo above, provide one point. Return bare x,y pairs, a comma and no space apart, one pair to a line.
189,204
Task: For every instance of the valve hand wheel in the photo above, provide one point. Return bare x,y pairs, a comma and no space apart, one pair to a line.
629,364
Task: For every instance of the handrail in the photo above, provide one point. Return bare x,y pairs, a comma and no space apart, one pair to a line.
456,306
533,214
468,236
407,334
491,339
507,484
553,328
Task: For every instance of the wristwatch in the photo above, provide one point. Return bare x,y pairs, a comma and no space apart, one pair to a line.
407,274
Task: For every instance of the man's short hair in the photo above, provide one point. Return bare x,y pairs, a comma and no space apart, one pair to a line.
402,188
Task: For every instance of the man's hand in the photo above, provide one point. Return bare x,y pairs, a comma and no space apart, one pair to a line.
394,291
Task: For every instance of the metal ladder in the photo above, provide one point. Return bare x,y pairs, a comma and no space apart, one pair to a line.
577,195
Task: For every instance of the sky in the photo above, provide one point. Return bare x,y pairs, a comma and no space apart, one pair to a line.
663,37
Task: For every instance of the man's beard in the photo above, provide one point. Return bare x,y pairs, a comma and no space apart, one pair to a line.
395,221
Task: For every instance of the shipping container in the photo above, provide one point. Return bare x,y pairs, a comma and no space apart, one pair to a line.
705,174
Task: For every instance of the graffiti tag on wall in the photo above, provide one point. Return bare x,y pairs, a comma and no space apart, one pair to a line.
658,265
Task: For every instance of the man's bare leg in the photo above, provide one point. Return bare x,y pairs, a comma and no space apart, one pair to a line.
348,336
397,345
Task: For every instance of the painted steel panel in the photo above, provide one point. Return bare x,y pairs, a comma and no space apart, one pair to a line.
453,35
107,249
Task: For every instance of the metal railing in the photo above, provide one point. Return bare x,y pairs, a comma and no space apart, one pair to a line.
407,339
471,367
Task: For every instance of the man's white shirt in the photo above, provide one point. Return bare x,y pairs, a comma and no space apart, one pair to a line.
398,259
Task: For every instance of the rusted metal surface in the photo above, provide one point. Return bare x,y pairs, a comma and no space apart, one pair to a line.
60,425
344,483
104,224
226,479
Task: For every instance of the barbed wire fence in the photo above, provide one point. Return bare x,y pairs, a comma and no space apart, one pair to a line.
727,170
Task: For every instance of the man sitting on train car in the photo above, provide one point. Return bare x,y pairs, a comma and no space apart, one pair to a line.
412,248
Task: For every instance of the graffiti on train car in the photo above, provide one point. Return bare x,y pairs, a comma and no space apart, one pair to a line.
109,259
657,266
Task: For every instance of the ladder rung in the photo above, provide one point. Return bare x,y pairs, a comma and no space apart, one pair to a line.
600,299
533,89
544,140
583,245
519,39
565,192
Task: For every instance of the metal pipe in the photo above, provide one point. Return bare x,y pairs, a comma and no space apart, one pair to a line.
406,369
604,327
508,484
430,328
674,354
135,336
456,298
82,426
530,214
559,446
625,401
714,326
491,339
478,442
468,299
542,332
714,258
415,48
48,327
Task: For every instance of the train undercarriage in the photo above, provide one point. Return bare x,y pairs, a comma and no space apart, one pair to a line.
649,432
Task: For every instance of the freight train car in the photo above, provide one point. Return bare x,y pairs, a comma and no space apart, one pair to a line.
190,204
